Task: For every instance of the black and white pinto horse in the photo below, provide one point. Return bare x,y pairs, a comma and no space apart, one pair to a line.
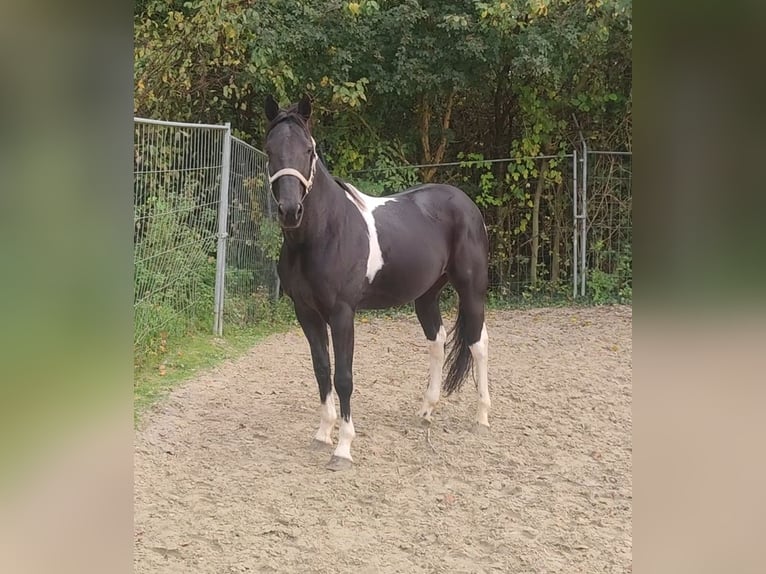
344,250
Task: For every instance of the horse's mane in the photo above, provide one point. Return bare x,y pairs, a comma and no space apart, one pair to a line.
352,192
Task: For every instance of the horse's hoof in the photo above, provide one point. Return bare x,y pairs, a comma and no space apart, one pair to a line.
320,446
480,429
425,420
339,463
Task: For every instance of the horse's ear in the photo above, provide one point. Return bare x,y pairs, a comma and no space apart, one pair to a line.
304,107
271,108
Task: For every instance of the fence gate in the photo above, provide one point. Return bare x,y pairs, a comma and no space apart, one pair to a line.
602,200
204,234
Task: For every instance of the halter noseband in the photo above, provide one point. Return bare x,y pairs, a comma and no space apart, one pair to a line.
307,183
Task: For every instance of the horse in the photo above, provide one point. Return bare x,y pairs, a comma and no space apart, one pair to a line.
343,250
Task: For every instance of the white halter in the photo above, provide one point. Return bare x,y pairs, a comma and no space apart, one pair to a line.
307,183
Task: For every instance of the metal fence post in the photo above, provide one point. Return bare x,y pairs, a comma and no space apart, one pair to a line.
223,216
269,200
575,250
584,217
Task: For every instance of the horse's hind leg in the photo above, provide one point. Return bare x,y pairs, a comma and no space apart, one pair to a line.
427,310
315,329
475,333
468,274
480,352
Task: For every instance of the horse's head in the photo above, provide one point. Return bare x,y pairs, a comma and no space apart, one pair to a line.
292,158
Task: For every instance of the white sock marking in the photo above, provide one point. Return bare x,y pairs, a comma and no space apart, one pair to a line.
345,436
366,204
436,362
327,418
480,352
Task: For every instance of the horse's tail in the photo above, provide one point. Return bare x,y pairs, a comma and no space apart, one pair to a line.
460,359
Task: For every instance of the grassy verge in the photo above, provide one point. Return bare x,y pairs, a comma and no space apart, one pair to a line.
156,373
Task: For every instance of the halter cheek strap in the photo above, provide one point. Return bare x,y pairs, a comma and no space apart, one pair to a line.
307,183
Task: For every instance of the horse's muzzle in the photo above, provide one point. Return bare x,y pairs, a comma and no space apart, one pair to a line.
290,216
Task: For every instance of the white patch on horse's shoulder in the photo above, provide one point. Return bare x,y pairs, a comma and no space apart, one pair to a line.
366,204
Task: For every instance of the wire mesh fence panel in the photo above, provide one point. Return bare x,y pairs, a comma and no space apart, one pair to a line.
610,226
254,240
177,176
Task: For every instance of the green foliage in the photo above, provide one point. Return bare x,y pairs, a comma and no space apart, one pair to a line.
485,194
193,60
350,93
391,175
244,308
215,61
270,239
174,272
603,286
611,286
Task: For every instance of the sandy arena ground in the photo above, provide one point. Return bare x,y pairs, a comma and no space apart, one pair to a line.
225,481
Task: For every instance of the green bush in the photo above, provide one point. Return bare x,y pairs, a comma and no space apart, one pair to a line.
611,286
174,273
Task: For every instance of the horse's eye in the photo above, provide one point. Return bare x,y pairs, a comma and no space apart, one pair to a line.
310,150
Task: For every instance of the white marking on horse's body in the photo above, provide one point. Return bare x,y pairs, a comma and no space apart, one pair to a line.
480,352
366,204
436,362
345,436
327,418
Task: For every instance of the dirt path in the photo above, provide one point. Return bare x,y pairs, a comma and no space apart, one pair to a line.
224,481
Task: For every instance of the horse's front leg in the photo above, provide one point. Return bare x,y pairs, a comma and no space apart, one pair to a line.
315,329
342,326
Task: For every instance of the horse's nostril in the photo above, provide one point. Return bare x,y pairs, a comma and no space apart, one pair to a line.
280,209
299,211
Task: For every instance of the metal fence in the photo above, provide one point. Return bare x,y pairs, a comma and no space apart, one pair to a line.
200,202
206,240
559,225
609,225
252,243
